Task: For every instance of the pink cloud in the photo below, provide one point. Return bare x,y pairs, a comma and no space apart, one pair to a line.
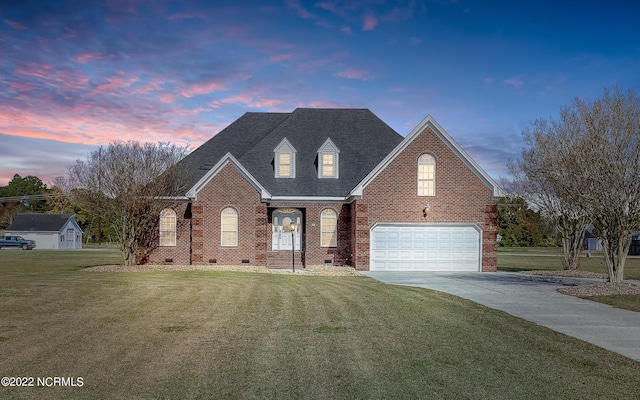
215,85
352,74
207,88
84,58
94,124
61,77
203,88
14,25
247,100
167,98
323,104
114,84
515,82
21,86
370,22
41,71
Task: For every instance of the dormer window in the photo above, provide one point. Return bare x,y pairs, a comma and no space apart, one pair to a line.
285,160
328,160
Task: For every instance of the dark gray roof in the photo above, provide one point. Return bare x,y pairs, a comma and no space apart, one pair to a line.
39,222
362,138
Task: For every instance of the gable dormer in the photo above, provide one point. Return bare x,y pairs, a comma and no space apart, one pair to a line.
328,160
284,160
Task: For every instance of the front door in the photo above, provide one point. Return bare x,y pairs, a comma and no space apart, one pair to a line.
71,237
286,228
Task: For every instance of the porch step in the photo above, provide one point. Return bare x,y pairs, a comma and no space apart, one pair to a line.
282,259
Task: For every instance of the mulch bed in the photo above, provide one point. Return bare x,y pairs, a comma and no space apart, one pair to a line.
629,287
320,270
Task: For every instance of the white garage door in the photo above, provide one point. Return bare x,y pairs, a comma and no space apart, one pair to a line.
419,247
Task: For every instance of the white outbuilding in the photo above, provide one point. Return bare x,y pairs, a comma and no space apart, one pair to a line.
50,231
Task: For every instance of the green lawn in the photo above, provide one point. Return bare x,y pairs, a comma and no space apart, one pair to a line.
550,258
232,335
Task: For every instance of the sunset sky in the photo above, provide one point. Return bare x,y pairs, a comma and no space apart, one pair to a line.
75,75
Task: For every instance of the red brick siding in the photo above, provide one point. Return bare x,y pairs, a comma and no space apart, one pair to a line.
460,196
229,188
180,252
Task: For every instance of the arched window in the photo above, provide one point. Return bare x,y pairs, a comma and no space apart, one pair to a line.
426,175
328,228
229,227
167,227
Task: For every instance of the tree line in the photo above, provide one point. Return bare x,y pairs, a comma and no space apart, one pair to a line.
116,194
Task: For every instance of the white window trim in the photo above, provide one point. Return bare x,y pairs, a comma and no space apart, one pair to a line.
284,148
222,230
328,147
324,232
432,161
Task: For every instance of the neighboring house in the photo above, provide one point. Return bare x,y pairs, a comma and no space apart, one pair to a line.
634,249
50,231
331,186
591,242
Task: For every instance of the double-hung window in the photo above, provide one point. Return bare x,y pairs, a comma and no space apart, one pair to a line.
285,160
328,160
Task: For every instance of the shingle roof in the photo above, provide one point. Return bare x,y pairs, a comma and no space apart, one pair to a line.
362,138
39,222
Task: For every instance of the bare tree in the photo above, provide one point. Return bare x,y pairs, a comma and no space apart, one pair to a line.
592,157
121,183
535,179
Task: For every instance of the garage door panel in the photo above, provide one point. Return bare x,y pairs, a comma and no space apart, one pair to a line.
425,248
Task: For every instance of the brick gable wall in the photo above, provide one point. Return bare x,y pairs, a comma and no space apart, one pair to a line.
460,196
229,188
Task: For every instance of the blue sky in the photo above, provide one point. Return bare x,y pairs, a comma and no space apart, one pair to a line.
75,75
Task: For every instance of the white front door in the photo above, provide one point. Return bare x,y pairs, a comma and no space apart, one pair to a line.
287,225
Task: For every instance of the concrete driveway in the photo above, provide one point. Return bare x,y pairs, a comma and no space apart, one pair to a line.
535,299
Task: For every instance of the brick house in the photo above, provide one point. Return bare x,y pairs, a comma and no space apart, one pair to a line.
331,186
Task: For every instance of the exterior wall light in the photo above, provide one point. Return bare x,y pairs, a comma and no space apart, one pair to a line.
425,210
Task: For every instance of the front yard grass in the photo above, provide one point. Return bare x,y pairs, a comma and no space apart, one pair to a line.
516,259
628,302
246,335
